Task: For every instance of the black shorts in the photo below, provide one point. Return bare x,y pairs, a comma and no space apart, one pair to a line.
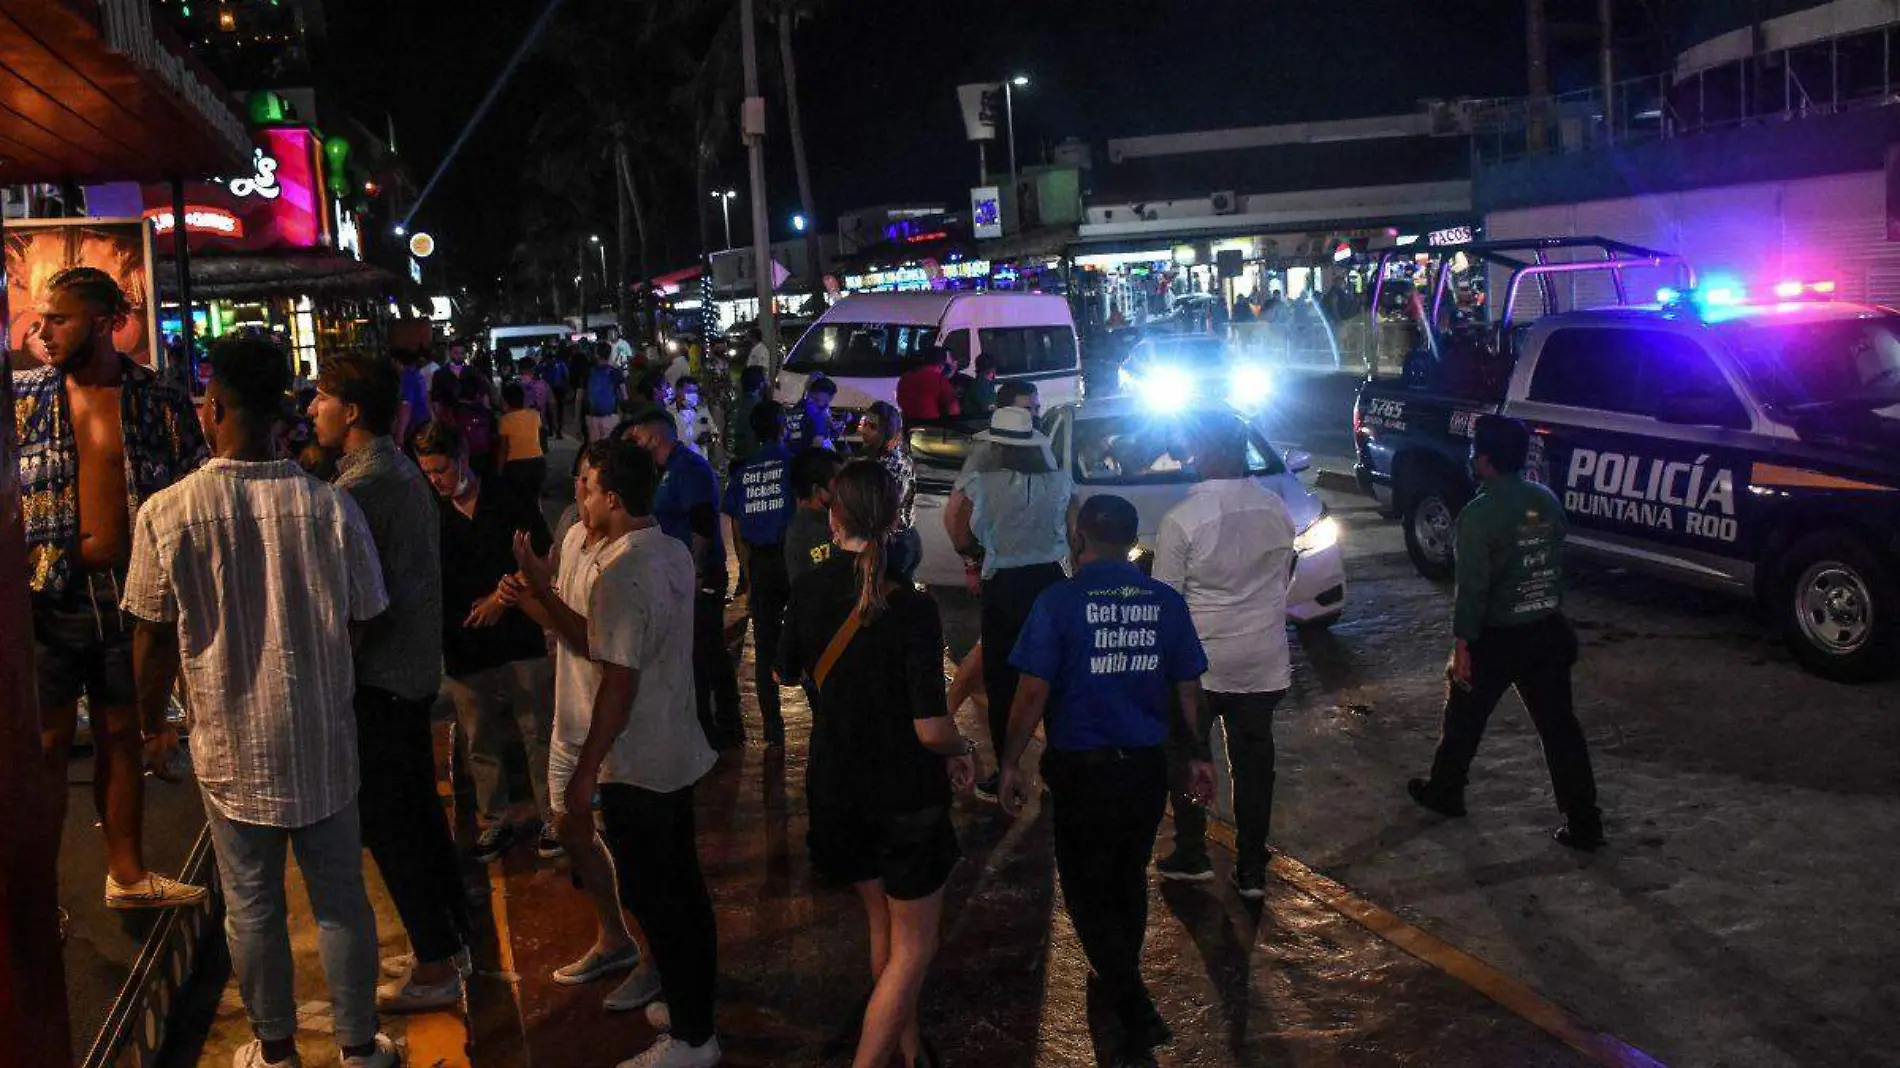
912,852
82,644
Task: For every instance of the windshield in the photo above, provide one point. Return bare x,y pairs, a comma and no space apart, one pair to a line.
1185,352
1853,360
864,350
1150,448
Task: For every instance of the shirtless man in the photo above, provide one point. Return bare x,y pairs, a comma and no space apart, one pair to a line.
98,434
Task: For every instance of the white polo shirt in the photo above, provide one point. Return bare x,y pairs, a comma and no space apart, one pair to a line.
1228,549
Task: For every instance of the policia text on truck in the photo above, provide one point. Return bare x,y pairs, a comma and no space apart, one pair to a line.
1752,448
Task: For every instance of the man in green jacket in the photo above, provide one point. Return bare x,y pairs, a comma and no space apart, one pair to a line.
1510,631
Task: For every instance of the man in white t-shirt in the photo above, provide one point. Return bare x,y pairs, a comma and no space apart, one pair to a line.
758,354
622,351
1228,548
641,744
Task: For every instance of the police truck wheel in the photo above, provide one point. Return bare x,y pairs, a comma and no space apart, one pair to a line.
1428,532
1839,606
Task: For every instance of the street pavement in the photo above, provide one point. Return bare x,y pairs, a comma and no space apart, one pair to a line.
1743,914
1291,980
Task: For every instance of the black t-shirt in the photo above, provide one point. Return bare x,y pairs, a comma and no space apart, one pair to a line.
864,748
476,553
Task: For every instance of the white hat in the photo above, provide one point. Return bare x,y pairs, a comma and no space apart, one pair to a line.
1014,427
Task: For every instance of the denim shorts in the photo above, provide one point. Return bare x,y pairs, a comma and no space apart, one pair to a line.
82,644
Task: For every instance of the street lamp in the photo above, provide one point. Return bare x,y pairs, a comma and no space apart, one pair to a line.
602,246
725,209
798,222
1020,81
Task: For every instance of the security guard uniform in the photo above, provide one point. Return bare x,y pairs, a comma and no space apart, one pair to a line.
1509,613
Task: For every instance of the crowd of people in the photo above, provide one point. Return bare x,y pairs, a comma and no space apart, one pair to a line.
315,620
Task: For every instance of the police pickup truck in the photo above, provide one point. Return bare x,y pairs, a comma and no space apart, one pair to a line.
1748,447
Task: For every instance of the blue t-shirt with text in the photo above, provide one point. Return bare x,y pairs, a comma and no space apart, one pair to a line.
806,426
1111,643
759,497
687,483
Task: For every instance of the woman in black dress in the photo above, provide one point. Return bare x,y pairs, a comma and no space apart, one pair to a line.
885,753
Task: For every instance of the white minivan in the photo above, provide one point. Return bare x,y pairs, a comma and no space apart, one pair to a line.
519,341
867,341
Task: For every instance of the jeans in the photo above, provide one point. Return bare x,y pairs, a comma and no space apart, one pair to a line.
524,690
770,589
1536,658
1248,721
257,923
714,683
404,827
1008,596
1107,808
904,553
656,851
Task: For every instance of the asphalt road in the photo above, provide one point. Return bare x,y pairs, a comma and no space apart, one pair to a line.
1744,914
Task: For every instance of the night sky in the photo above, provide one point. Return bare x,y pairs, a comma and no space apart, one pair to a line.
878,78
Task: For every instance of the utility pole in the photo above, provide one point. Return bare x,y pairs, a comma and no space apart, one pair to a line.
1536,46
1606,26
752,123
580,278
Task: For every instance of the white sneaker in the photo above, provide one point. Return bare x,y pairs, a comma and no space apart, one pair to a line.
411,996
402,964
639,990
384,1057
155,891
596,964
670,1052
251,1055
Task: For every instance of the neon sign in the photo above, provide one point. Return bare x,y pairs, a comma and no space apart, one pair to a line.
198,220
263,180
1454,235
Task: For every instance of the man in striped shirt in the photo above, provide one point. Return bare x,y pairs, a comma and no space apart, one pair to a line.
257,577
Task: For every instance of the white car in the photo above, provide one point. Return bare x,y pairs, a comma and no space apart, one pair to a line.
1119,445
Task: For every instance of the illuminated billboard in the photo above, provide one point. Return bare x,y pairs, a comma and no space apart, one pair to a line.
279,204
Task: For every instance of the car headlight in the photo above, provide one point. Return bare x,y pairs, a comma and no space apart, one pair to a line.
1249,386
1165,389
1323,534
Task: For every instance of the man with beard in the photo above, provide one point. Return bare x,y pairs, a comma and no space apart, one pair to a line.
98,436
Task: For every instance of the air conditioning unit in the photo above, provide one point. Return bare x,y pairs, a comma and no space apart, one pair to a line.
1225,203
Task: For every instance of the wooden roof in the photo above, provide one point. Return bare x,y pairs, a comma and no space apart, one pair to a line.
74,109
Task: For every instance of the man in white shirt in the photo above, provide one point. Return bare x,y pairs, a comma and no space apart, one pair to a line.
262,576
1228,548
622,352
759,355
643,747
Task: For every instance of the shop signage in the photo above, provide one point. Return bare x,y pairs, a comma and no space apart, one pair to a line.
421,246
348,238
415,270
986,212
1451,235
280,204
263,179
916,276
198,220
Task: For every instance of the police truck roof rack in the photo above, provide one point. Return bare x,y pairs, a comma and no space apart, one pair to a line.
1530,259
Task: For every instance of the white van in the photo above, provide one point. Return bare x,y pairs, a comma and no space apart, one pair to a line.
867,341
519,341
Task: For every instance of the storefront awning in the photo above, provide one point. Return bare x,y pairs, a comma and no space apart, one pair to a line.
278,275
93,91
